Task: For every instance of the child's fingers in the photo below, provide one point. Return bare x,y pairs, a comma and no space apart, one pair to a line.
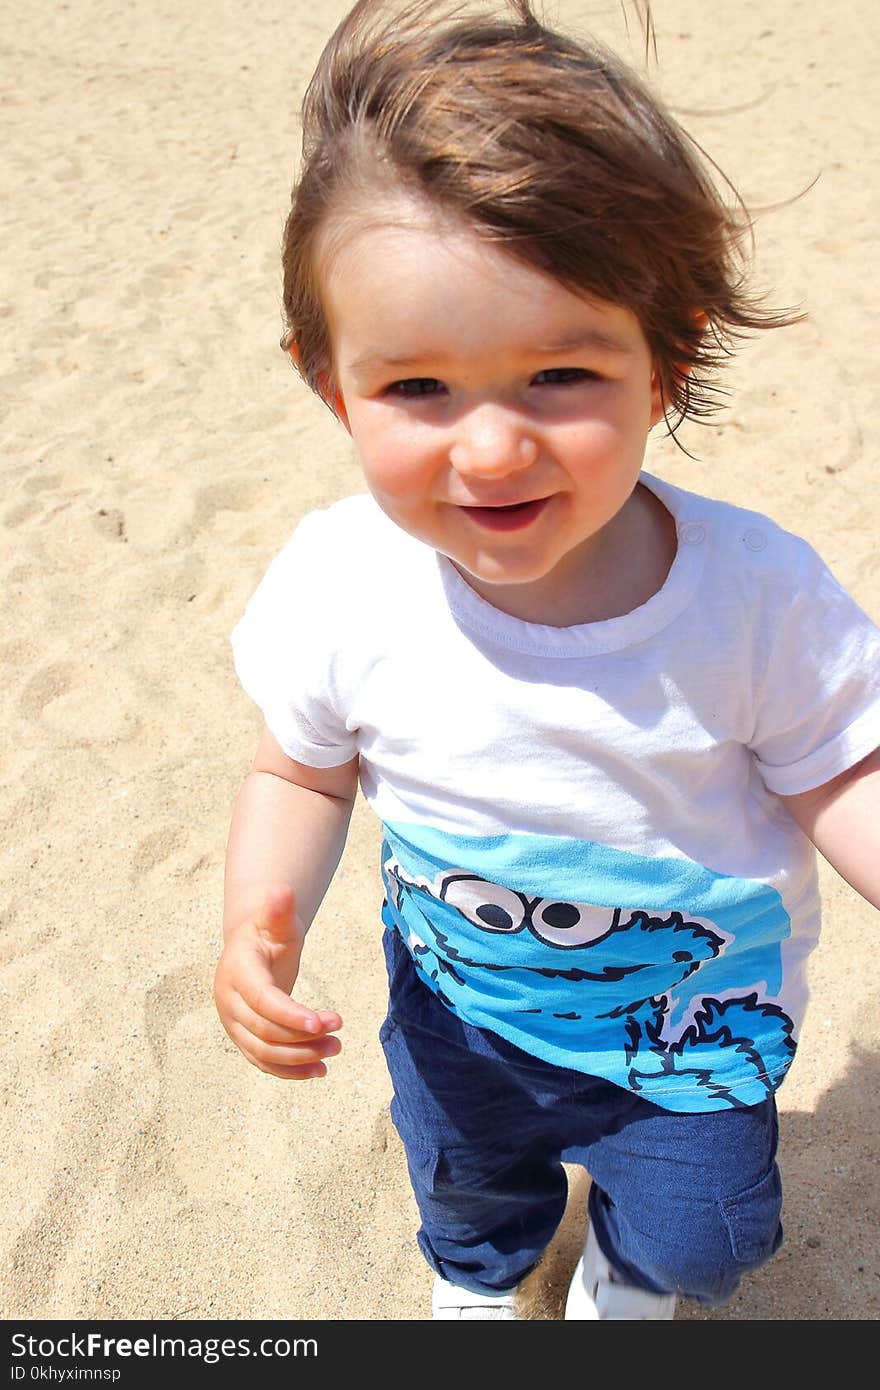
272,1032
302,1059
330,1020
310,1073
269,1002
299,1055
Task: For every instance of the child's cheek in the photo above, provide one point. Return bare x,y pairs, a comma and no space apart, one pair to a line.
395,458
604,443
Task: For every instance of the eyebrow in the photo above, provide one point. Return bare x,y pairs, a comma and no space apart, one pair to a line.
584,338
581,341
381,359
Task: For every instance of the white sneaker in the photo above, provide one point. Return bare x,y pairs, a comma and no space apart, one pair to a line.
596,1293
452,1301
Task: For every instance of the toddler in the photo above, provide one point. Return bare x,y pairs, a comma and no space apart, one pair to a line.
604,721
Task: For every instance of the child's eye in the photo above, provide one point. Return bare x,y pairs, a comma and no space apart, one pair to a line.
415,386
563,376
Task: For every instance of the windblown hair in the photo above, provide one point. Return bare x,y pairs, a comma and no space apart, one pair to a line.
550,147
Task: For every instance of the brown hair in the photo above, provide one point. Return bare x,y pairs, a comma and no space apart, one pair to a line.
551,147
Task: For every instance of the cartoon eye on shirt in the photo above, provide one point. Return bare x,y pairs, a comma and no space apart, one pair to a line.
493,908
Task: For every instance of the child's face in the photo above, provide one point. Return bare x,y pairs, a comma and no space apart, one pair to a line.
498,416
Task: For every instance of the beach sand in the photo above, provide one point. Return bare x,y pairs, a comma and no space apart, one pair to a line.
157,450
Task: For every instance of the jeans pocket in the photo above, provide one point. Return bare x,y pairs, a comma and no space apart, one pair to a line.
752,1219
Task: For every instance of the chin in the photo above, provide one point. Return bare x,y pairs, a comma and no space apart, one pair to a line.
502,579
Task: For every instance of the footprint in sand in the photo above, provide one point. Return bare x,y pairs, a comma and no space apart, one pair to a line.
80,703
236,496
43,1244
156,848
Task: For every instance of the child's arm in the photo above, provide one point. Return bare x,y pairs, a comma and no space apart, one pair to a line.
288,831
842,818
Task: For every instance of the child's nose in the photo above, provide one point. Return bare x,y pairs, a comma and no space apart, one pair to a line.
491,442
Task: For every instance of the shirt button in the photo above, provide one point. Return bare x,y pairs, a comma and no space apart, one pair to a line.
692,534
755,540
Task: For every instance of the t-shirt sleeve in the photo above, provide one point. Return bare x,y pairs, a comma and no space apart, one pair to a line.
818,711
285,648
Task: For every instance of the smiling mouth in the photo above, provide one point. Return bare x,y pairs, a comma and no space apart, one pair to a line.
512,518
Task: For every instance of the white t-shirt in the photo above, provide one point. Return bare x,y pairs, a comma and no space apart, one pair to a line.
583,849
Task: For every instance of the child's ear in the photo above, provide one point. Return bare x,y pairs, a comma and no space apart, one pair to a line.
329,394
332,397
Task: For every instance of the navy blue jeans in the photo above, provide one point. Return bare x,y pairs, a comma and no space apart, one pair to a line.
679,1203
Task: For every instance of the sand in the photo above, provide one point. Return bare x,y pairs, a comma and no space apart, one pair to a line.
156,452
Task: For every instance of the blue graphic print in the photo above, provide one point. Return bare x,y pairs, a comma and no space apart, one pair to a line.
657,974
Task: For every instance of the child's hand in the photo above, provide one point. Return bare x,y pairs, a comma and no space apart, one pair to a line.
256,971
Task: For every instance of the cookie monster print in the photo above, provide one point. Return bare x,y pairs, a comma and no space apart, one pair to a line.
732,1024
657,974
